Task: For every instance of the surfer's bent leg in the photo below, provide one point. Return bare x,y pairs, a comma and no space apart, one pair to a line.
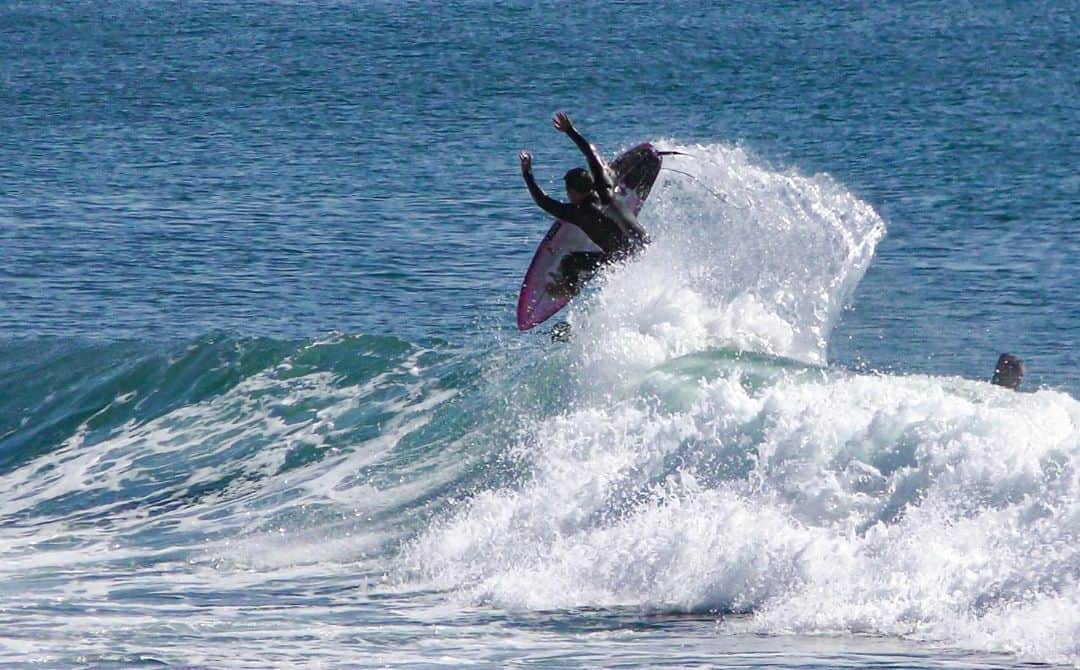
576,269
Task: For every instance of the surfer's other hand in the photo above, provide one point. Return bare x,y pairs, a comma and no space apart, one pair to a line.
562,122
526,161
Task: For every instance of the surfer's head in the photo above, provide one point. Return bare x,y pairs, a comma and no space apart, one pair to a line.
1008,372
579,184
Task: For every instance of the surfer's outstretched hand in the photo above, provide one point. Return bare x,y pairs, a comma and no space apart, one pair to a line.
526,161
562,122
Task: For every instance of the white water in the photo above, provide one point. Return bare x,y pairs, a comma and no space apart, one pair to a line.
931,508
743,257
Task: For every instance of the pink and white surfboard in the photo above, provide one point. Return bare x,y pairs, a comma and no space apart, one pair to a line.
635,171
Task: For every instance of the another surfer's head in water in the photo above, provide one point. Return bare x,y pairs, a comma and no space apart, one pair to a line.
1008,372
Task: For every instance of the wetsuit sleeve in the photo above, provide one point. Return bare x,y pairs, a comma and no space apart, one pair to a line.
604,187
560,210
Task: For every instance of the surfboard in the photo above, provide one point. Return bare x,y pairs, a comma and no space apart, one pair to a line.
634,170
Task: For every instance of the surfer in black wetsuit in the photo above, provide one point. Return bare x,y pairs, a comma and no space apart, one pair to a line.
593,207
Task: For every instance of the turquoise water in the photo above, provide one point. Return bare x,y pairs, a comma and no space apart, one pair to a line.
262,401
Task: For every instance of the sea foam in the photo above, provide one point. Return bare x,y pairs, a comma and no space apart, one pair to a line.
742,257
815,499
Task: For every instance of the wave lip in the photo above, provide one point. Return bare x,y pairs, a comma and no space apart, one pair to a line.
742,257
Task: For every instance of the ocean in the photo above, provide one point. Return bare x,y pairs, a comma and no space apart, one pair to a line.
263,402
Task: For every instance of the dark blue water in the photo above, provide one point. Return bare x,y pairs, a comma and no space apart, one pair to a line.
250,244
170,169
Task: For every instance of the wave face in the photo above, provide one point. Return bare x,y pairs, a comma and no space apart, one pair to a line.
687,451
225,439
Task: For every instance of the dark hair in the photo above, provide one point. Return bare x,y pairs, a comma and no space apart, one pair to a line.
1008,372
579,180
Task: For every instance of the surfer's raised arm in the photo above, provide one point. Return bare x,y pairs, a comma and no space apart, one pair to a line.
563,124
560,210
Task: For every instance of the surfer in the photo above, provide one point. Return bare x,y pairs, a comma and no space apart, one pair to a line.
1008,372
593,207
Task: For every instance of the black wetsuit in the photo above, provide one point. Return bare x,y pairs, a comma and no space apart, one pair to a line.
609,223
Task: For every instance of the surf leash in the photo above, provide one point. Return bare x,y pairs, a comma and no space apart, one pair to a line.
719,196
